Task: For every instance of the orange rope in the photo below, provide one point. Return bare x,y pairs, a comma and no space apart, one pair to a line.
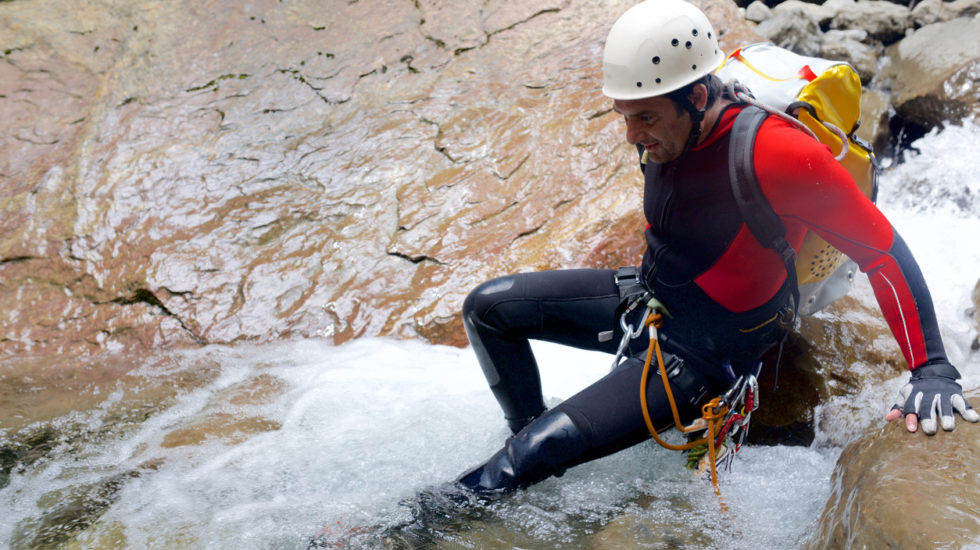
710,412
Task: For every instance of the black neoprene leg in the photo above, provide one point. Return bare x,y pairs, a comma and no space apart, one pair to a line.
602,419
569,307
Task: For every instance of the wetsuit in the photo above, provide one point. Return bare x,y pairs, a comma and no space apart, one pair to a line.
725,291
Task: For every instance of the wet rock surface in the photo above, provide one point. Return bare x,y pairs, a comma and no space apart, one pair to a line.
217,172
892,489
835,354
210,173
935,73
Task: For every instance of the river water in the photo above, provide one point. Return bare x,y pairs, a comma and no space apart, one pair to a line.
276,445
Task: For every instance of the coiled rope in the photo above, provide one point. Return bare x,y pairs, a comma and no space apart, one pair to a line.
721,417
712,413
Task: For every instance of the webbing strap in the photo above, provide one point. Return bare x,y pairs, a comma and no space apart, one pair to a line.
758,214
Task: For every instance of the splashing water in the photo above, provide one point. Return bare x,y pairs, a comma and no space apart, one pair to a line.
274,446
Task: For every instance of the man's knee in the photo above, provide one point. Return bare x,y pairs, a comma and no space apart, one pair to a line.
486,295
501,306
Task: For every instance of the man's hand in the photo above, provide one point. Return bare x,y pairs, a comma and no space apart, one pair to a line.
930,396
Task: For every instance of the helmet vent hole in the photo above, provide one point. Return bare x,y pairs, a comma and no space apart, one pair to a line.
694,32
639,84
694,67
709,34
688,44
656,60
658,80
675,42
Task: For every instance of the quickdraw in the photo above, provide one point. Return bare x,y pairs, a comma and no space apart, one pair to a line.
743,399
725,418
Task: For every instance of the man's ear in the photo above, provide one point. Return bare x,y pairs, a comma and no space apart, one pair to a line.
699,96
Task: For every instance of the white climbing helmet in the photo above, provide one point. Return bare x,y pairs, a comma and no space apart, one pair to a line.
656,47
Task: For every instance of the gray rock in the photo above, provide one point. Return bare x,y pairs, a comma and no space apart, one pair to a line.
862,57
883,20
757,12
822,15
934,74
837,35
928,12
793,31
837,5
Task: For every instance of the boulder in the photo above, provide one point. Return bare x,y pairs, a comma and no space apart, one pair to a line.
757,12
893,489
325,174
875,113
849,46
821,14
928,12
884,21
934,74
794,30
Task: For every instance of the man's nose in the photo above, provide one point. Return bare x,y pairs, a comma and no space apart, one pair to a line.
634,131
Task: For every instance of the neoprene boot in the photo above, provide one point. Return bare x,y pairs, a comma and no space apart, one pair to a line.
544,448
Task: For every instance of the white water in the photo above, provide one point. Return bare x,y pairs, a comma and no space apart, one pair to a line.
366,425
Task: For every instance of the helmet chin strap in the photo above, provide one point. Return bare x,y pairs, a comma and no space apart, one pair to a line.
697,116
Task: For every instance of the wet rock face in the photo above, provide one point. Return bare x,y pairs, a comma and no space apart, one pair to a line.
832,357
182,172
883,496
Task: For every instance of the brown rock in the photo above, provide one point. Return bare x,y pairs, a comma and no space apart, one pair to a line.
892,489
191,174
634,531
836,353
874,118
222,427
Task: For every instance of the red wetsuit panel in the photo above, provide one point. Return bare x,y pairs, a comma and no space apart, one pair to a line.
809,189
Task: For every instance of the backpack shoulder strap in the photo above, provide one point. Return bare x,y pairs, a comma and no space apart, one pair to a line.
758,214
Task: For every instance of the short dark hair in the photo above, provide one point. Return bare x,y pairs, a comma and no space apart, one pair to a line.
682,96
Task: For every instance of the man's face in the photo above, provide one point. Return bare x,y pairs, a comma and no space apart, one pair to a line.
655,123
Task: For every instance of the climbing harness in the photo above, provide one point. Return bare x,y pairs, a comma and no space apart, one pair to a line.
725,418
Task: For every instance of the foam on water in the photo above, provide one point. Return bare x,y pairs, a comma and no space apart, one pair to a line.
364,426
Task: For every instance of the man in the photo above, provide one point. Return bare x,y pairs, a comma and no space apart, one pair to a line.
728,295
